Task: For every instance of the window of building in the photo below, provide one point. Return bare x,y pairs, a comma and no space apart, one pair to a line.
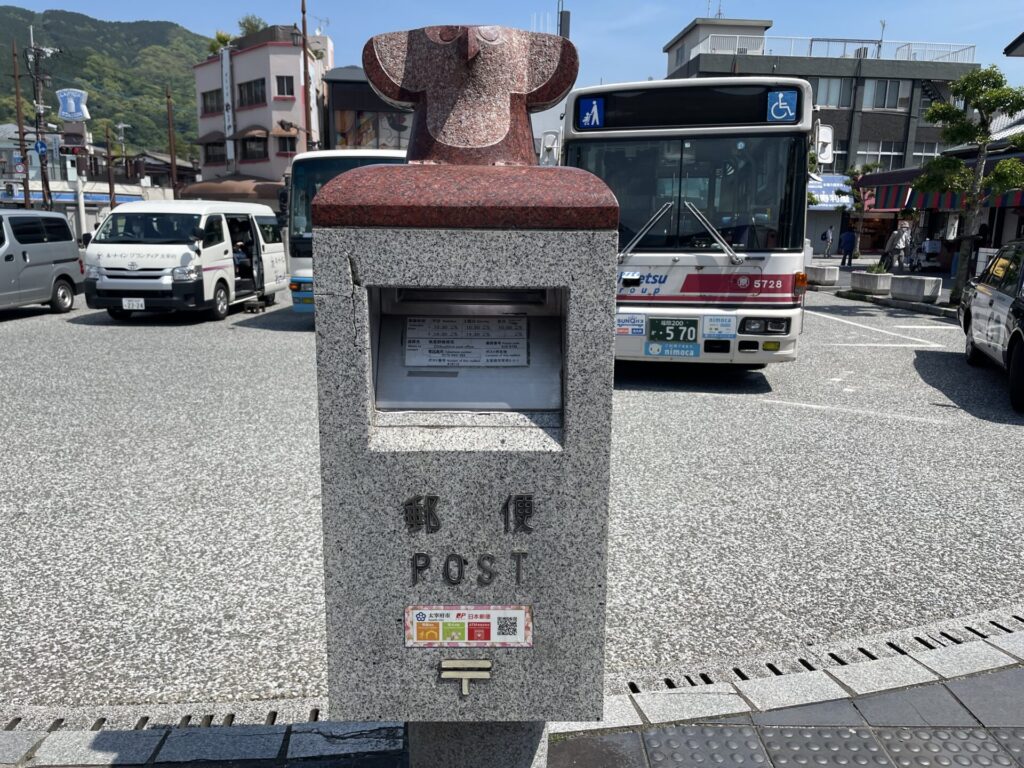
887,94
372,130
926,150
213,102
286,145
252,93
834,92
888,154
679,56
285,85
839,155
215,154
254,148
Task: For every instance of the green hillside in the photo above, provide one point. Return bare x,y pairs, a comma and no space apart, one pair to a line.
125,67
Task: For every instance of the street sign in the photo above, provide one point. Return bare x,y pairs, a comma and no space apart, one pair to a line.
18,158
19,167
40,147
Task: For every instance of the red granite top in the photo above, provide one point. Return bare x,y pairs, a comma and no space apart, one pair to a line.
466,197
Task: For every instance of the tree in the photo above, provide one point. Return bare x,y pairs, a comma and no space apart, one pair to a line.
250,24
857,195
220,40
985,95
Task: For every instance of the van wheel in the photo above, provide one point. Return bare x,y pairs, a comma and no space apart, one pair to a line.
1017,379
219,310
119,314
63,298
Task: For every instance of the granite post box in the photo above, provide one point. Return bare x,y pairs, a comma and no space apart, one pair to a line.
465,327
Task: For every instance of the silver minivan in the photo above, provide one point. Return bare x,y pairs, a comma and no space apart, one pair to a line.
39,260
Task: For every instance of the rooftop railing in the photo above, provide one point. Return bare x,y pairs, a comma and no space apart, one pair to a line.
835,48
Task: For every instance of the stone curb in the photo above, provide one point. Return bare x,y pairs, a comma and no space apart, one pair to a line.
358,744
912,306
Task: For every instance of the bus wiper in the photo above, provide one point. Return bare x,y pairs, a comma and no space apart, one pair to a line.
644,230
734,257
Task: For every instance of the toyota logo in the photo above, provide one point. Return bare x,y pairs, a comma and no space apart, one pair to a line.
133,265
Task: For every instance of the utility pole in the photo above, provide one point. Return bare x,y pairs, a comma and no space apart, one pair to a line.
306,95
120,137
35,59
171,144
21,122
110,171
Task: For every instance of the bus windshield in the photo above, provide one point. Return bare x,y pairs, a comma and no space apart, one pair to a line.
151,228
309,175
751,188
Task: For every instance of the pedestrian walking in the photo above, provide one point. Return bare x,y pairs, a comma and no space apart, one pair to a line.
826,238
897,248
847,245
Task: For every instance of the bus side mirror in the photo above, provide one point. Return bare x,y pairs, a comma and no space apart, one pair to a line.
823,143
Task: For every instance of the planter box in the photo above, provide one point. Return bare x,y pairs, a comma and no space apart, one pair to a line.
871,283
822,275
920,289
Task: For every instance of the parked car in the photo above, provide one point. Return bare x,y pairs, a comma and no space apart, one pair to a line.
39,260
991,312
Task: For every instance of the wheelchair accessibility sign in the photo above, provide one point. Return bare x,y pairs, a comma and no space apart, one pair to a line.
782,107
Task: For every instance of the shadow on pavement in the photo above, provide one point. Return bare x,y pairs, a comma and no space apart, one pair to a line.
165,319
20,313
853,308
981,392
282,319
690,377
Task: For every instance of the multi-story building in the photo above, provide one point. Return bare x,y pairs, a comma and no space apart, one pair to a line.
872,92
251,105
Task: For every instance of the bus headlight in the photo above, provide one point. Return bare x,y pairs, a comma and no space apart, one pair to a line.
92,272
187,274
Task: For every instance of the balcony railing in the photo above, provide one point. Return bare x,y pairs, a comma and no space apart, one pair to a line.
835,48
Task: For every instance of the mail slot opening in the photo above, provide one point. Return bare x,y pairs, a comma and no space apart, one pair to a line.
454,349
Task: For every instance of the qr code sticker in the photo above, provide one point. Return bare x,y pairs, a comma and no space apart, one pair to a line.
508,626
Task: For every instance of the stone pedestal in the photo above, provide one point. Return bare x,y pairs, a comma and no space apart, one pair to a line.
494,745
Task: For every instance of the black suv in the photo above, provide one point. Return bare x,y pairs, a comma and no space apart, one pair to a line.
991,313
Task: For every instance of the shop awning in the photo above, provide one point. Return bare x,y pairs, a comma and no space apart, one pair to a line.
1012,199
213,137
234,188
890,197
252,132
279,131
937,201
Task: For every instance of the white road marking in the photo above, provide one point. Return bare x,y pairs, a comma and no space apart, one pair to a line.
870,328
933,326
882,417
870,344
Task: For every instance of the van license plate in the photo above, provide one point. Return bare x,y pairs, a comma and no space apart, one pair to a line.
133,303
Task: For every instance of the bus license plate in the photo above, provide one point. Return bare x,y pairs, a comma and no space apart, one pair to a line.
682,329
133,303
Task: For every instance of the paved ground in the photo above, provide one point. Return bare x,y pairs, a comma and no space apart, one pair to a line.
159,497
867,261
974,722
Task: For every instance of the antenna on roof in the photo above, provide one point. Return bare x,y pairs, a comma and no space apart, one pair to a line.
719,14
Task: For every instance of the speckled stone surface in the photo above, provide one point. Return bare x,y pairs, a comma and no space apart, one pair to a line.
472,87
370,468
472,197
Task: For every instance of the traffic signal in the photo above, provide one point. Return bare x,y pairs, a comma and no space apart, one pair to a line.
68,150
9,189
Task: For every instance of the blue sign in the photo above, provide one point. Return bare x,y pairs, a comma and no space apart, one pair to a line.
826,192
72,104
40,147
782,107
590,113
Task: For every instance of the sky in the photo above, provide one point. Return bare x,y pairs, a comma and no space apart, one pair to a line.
618,40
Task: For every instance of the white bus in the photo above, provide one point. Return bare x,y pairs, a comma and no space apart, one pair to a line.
310,171
711,179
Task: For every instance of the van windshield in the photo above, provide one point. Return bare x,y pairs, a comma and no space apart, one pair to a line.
152,228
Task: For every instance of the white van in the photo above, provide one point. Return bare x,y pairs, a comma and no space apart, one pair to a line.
178,254
39,260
